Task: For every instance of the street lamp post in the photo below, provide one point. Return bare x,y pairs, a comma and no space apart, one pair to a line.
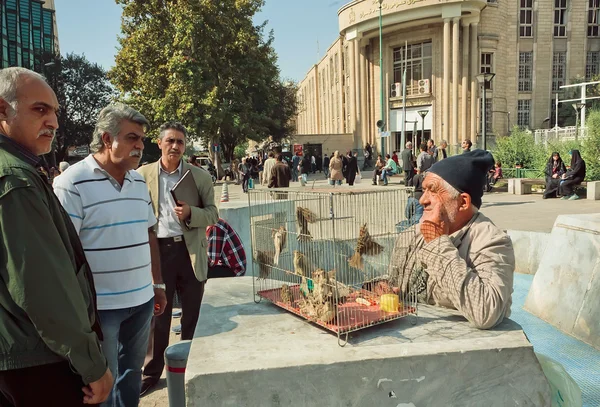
578,108
484,79
381,123
423,113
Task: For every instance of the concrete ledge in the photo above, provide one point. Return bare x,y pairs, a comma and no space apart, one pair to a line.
566,287
529,249
247,354
593,190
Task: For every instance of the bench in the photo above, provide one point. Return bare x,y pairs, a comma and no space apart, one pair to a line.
522,186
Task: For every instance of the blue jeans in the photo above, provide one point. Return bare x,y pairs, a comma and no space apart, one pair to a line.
126,333
294,173
385,174
335,182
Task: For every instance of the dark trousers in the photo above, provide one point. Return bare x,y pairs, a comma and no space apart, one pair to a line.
53,385
552,185
177,275
219,272
408,176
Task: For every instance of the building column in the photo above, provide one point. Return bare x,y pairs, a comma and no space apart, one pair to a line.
465,82
362,68
357,91
446,81
474,72
455,49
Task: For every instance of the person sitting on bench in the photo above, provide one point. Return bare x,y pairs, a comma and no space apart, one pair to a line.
573,177
555,168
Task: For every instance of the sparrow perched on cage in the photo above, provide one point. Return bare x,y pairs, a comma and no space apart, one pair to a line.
364,245
279,240
286,294
304,216
300,263
263,260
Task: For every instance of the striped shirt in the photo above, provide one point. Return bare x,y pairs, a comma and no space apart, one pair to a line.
112,222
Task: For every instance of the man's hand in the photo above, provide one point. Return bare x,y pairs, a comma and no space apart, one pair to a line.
183,211
160,301
432,231
555,176
98,391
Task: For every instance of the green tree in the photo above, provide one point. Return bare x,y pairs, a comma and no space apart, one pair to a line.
82,89
591,146
201,62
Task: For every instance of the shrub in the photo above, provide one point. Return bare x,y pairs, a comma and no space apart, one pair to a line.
591,146
519,148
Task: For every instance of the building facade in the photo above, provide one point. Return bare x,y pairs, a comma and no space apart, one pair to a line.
28,32
532,46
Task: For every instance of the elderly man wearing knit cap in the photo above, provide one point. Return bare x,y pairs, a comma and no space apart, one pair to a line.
458,259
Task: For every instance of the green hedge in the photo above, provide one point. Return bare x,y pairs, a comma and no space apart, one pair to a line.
520,148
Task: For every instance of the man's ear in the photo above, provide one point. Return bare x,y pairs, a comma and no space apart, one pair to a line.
107,140
5,110
465,202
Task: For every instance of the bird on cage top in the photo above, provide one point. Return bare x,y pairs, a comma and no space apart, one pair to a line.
364,245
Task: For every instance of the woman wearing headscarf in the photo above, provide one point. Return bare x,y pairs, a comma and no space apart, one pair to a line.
351,168
555,168
573,177
335,169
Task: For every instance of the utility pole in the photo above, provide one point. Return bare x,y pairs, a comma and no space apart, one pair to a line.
382,121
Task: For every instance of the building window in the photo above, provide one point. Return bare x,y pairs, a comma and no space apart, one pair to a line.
418,67
526,18
487,66
560,18
525,71
593,17
524,113
559,68
592,65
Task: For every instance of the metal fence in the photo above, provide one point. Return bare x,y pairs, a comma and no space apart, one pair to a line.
324,254
522,173
558,134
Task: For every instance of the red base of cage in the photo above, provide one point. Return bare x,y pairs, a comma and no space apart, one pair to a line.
350,316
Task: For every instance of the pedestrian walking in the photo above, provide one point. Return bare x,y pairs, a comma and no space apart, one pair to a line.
336,169
408,164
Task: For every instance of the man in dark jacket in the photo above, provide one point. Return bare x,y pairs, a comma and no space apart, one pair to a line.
305,168
280,174
50,351
408,164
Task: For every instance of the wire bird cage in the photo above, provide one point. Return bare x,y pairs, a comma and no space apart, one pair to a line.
324,255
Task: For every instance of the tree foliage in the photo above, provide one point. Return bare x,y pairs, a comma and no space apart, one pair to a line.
204,63
82,89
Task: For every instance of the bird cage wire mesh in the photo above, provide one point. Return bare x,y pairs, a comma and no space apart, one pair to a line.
323,255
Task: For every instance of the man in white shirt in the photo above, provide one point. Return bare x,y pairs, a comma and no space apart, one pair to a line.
110,207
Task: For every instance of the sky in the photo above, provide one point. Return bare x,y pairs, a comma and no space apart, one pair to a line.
304,30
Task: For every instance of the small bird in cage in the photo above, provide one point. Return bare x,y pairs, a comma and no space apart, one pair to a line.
304,216
300,263
321,290
364,245
286,294
279,240
263,260
339,291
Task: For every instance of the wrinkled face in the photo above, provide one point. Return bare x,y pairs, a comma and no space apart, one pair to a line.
126,148
437,203
34,122
172,145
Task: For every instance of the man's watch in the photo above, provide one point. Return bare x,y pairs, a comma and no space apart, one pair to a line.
160,286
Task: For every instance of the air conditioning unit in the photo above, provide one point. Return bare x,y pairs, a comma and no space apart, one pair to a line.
424,88
396,90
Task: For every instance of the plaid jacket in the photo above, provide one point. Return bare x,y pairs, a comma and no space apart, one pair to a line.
225,248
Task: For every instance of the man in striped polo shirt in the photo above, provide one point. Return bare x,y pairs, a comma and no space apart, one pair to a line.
110,207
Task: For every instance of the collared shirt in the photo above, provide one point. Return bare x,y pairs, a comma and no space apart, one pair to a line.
29,157
225,248
112,222
168,222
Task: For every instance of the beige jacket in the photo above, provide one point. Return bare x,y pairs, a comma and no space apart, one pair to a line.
470,270
335,168
194,231
267,169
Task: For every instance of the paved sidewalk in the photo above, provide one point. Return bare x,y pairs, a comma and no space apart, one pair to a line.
517,212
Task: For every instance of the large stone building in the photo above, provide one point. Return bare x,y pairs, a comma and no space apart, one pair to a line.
28,32
533,47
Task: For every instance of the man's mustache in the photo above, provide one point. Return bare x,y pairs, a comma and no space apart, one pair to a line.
136,153
47,132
